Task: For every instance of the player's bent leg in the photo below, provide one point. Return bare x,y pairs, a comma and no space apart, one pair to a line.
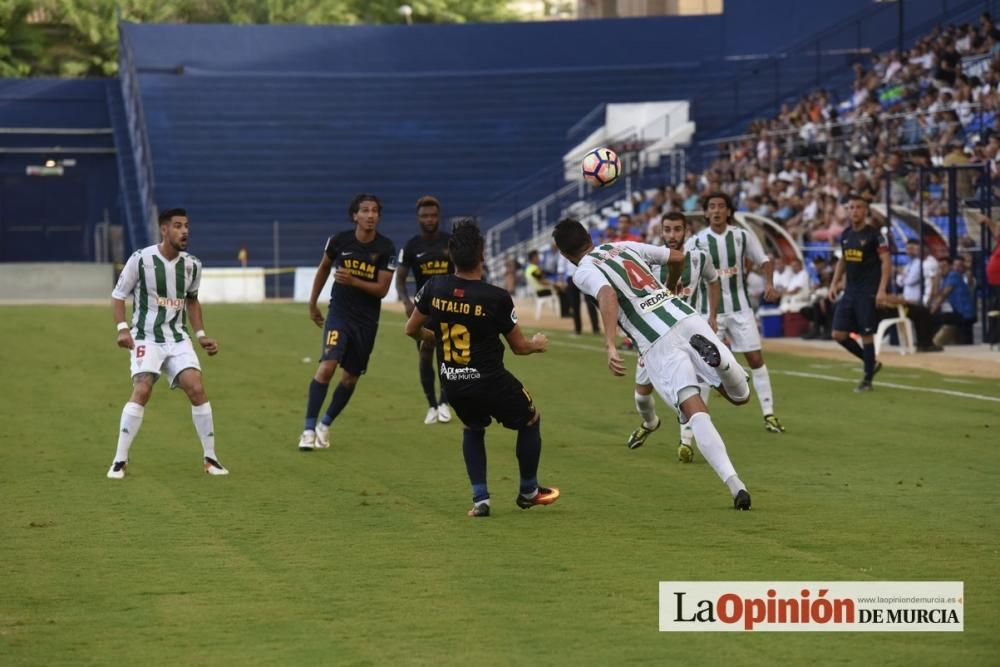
426,367
341,396
713,448
325,370
645,404
190,381
529,451
474,453
762,386
142,388
130,422
735,386
318,388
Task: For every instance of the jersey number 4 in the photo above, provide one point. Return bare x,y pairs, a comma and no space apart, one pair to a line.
456,342
639,277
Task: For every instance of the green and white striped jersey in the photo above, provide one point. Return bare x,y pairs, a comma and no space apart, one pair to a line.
159,288
692,286
729,252
646,309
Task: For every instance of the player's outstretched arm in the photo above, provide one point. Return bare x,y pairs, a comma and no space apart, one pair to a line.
883,280
838,272
319,280
377,289
198,322
401,273
521,345
124,334
415,328
608,303
714,297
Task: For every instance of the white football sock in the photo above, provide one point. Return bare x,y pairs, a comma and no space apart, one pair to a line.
646,406
711,446
686,433
735,485
201,415
762,385
128,428
734,381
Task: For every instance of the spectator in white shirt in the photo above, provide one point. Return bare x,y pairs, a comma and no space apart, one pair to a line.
796,294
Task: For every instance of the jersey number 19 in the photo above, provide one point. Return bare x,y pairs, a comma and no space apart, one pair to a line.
456,343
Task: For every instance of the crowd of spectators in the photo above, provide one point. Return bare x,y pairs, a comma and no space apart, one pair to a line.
936,104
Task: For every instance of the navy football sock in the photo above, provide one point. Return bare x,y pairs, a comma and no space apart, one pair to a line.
341,395
474,451
427,379
529,450
443,398
852,346
869,357
317,394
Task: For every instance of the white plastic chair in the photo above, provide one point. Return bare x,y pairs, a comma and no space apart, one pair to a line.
551,300
904,331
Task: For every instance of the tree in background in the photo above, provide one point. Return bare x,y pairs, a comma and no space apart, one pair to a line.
21,45
80,37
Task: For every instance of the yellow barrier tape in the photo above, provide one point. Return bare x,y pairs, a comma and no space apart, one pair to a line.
233,271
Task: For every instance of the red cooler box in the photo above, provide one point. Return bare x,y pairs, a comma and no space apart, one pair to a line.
795,324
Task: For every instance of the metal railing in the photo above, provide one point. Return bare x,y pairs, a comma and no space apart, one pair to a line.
524,220
135,118
836,133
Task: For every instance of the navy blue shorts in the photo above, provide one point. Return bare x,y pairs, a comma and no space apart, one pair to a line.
348,343
504,399
856,312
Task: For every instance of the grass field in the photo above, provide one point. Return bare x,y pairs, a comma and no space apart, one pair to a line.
363,555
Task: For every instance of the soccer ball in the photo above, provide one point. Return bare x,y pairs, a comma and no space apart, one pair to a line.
601,167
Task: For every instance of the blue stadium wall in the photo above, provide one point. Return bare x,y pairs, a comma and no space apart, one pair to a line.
52,218
252,124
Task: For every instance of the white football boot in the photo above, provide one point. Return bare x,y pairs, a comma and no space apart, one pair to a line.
322,436
444,413
213,467
432,416
307,442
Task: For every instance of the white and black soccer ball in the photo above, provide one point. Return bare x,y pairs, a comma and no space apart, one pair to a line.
601,167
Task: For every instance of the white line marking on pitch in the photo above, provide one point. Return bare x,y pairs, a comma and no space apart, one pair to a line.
832,378
929,390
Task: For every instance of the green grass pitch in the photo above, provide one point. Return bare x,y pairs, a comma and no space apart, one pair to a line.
363,554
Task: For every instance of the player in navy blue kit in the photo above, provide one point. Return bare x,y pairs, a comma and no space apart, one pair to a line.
865,261
466,316
426,254
362,261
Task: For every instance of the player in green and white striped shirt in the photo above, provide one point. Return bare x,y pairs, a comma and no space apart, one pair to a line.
730,248
698,285
677,347
163,281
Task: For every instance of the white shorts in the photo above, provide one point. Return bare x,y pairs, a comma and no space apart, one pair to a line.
672,364
741,329
168,358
